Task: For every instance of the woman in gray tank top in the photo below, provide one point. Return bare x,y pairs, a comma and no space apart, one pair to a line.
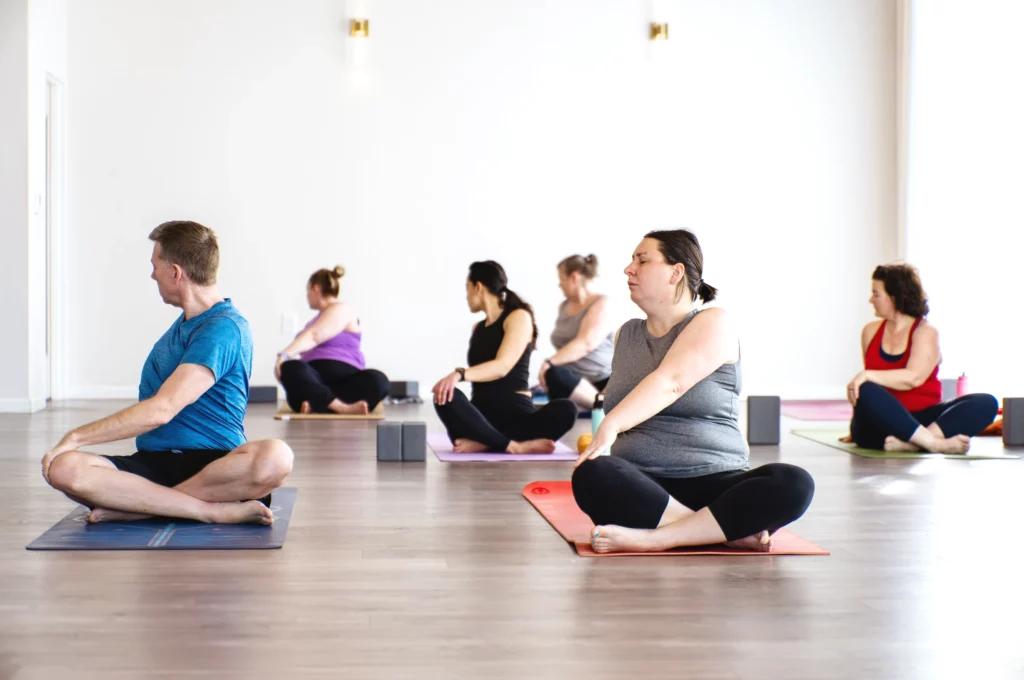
580,367
678,470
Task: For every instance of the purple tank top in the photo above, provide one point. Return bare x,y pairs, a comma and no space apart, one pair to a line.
342,347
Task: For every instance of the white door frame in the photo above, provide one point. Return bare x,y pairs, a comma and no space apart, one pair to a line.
57,238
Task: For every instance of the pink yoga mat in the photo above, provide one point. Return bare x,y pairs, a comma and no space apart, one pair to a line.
442,448
817,410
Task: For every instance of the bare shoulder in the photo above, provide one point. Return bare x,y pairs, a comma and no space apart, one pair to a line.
337,309
925,330
517,317
713,322
871,328
712,317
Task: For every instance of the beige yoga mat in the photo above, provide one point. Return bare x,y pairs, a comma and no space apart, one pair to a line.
285,413
981,449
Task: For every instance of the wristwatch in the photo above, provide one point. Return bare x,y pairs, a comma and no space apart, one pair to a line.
284,355
461,372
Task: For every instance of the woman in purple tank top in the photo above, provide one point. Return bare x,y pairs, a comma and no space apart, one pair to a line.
323,370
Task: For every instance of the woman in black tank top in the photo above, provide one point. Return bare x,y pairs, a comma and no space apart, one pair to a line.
501,416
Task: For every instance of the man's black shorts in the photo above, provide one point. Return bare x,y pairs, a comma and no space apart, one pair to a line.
166,468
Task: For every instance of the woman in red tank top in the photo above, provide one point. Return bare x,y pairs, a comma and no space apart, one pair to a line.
897,398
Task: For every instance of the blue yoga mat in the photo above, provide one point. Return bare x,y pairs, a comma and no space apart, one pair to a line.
74,533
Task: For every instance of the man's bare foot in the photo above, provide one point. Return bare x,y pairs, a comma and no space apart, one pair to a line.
761,542
956,444
532,446
898,445
360,408
305,408
468,446
249,512
611,538
105,515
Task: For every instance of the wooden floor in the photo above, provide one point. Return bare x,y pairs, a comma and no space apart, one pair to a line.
444,571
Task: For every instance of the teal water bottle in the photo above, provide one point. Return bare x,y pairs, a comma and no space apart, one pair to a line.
597,414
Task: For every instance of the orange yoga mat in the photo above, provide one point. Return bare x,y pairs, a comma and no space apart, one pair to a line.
554,501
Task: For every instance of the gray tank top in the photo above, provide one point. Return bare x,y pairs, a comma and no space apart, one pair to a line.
699,433
595,366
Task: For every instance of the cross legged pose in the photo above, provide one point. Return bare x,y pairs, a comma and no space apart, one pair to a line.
897,398
501,416
678,471
580,367
193,460
323,370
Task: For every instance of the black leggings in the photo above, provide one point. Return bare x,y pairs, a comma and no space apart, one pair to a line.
321,381
878,415
614,491
495,423
562,381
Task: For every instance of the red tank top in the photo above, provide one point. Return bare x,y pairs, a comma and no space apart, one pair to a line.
927,394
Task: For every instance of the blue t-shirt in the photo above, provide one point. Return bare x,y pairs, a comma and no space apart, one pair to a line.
219,339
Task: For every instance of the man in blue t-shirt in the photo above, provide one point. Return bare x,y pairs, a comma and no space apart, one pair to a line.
193,460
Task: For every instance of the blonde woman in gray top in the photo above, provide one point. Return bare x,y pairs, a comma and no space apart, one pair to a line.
679,472
580,367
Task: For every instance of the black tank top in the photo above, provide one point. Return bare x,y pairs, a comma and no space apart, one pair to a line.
483,347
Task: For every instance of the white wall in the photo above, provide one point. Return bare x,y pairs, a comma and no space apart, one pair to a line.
519,131
47,61
13,204
965,225
33,40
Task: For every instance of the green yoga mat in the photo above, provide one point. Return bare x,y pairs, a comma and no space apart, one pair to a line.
982,448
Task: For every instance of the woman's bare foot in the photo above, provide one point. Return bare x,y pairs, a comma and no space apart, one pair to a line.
360,408
305,408
248,512
611,538
898,445
761,542
468,446
105,515
532,446
956,444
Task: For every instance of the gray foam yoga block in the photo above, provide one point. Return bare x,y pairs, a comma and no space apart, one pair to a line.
1013,422
389,442
763,420
948,389
263,394
414,442
400,389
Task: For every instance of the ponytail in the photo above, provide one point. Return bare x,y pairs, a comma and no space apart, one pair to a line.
680,246
492,276
705,292
511,302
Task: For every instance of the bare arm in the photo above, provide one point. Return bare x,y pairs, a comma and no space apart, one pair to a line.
708,342
867,334
594,329
924,357
518,333
331,322
184,386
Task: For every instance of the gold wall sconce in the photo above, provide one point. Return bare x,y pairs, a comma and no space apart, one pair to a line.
659,31
359,28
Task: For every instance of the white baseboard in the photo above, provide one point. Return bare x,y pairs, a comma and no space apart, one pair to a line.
24,405
103,392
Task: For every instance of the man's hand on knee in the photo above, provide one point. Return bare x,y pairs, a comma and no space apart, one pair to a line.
68,443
